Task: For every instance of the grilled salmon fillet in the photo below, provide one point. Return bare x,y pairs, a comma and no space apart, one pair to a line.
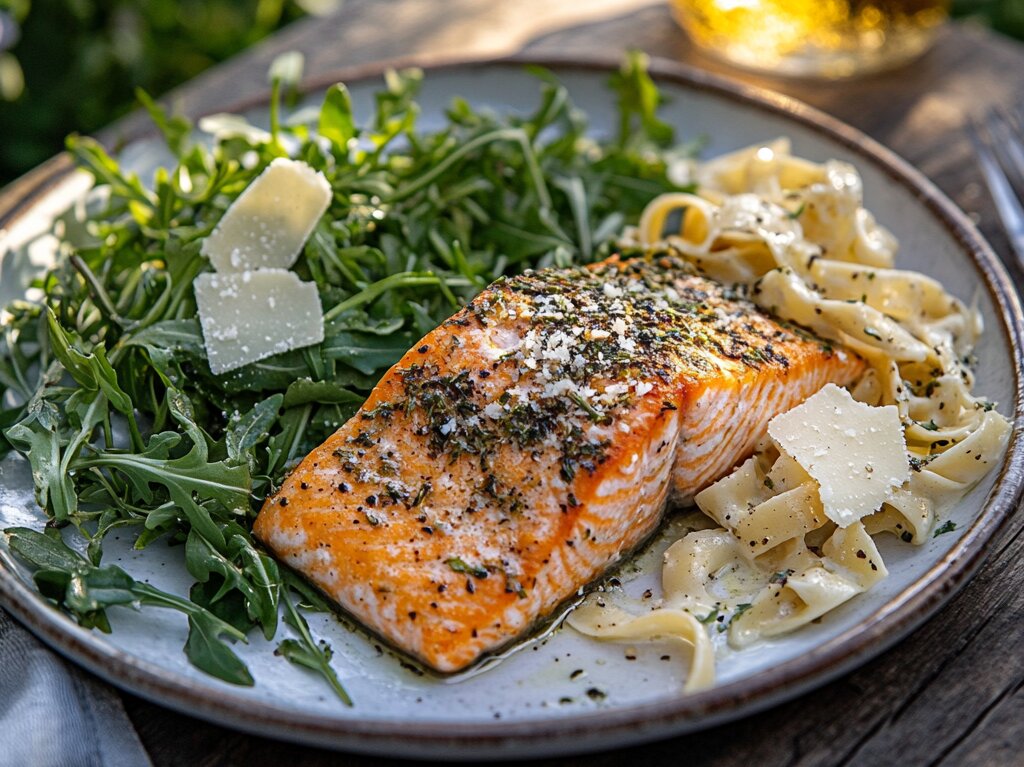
529,442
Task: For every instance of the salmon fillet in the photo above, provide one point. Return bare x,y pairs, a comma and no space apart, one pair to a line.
531,441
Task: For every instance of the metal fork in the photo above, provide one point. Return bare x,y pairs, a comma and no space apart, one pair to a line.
999,145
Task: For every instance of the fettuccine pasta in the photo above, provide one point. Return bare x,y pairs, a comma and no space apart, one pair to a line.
793,236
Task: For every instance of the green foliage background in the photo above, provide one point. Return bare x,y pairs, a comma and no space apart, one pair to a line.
1006,16
78,62
81,61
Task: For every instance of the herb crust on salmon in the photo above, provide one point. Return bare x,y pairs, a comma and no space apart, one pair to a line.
525,445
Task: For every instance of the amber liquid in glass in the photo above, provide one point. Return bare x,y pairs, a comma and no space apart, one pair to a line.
812,38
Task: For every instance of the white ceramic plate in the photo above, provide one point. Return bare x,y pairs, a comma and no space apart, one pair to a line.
561,693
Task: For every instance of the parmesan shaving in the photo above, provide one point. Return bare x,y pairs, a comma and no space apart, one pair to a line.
249,316
267,226
856,453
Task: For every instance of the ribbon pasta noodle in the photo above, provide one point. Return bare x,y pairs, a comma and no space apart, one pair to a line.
793,236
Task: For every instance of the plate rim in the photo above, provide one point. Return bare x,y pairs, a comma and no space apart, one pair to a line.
587,731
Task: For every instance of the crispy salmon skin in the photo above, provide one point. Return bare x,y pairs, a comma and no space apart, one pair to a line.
527,443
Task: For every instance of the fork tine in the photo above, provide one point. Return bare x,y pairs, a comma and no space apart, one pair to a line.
1009,207
1007,147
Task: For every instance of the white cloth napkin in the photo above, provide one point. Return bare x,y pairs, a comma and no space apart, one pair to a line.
52,714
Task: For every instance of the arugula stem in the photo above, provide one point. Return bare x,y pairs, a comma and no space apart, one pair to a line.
22,382
108,431
502,134
275,110
300,432
108,485
96,290
159,411
368,294
138,443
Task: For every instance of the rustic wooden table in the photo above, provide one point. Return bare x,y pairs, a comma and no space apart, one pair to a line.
953,692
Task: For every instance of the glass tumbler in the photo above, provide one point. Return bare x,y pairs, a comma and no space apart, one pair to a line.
812,38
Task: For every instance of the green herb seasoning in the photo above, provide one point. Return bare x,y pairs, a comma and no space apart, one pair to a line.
582,347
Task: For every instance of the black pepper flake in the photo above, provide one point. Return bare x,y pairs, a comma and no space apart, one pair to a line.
412,615
363,439
371,500
283,501
423,349
344,487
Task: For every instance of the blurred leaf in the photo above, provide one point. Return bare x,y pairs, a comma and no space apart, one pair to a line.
77,64
286,69
336,121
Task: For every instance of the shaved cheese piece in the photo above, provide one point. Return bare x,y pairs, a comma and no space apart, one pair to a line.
271,220
856,453
252,315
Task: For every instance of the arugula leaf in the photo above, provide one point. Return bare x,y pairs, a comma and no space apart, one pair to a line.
183,478
208,652
304,391
250,429
230,607
176,129
337,123
172,335
638,103
305,651
85,591
711,617
55,489
257,578
43,551
367,353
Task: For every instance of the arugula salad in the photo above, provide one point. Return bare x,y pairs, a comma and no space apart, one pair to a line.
105,385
